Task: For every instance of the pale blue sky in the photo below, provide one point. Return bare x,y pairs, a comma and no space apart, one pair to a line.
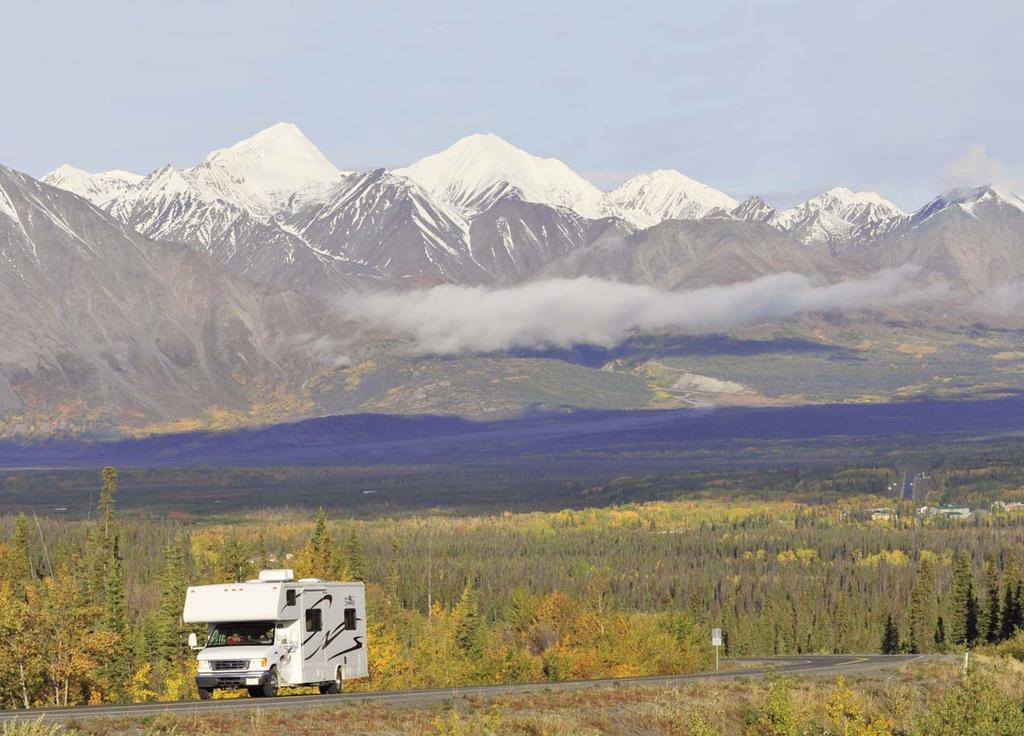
778,98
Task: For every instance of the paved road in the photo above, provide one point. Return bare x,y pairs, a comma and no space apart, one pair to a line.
745,667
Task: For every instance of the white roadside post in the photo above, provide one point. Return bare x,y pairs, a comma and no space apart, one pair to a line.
716,642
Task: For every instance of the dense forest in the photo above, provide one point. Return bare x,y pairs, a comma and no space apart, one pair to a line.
90,609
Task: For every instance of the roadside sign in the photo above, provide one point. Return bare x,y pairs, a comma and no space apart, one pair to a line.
716,637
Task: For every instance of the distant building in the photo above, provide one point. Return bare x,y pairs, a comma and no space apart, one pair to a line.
881,514
1008,506
950,512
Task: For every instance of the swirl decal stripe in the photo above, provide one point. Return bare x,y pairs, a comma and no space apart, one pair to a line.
358,645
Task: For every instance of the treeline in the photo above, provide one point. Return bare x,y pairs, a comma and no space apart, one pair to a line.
67,631
92,613
91,609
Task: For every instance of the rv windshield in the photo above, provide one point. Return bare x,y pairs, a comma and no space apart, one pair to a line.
241,634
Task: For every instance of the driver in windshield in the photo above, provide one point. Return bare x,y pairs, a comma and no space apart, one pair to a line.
236,634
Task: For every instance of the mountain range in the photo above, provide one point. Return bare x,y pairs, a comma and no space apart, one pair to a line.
132,299
274,209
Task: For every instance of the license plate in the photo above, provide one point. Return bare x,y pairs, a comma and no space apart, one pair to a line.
252,681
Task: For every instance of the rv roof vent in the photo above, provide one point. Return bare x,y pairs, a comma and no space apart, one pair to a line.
276,576
310,580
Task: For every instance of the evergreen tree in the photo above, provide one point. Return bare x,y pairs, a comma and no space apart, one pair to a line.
844,628
20,567
106,504
99,544
234,562
262,555
940,635
1012,613
320,557
116,668
468,624
168,627
989,619
963,604
392,600
973,631
920,637
1009,615
354,560
890,637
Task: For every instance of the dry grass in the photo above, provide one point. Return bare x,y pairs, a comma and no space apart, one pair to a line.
699,709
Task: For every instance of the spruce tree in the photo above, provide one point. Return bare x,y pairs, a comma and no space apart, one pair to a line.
20,570
963,604
354,560
106,504
989,620
920,637
391,595
116,668
1012,613
890,637
972,631
234,562
168,627
468,624
320,557
1008,618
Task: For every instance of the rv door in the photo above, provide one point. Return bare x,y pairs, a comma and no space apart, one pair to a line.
315,606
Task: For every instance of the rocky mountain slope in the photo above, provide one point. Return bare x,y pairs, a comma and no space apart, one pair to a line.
391,227
695,253
972,239
101,324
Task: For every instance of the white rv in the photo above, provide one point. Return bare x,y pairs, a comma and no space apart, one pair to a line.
277,631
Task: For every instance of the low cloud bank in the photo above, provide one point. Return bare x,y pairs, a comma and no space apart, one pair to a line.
1002,299
446,320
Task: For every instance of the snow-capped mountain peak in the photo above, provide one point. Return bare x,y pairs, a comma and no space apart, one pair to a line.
98,188
473,171
856,208
261,172
755,209
970,199
833,216
665,194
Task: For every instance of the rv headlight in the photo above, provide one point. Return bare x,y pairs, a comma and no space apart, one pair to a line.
204,665
258,664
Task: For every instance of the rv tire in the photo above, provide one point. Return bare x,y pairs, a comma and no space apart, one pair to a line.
334,686
205,693
269,688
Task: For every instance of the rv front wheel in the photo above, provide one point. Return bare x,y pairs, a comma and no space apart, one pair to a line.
334,687
270,686
205,693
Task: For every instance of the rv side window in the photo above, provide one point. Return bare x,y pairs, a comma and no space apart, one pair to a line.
314,620
290,597
350,619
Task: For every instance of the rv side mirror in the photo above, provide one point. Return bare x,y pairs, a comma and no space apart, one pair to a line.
193,641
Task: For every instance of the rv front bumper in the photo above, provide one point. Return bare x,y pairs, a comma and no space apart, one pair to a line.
232,680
